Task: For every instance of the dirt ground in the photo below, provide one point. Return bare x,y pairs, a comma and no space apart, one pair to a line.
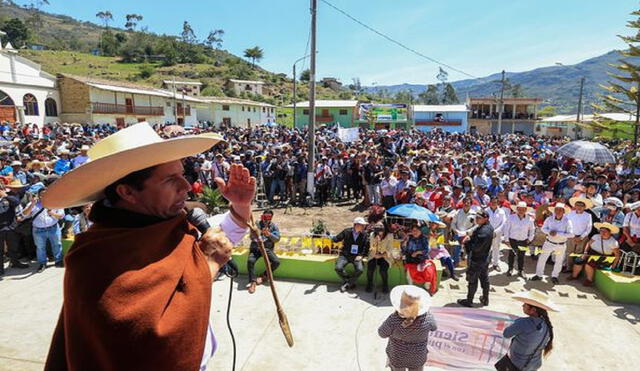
296,220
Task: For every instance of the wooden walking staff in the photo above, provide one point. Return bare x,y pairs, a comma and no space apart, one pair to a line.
282,317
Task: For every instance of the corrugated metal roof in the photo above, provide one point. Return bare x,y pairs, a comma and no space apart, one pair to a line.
588,118
247,81
440,108
227,100
327,103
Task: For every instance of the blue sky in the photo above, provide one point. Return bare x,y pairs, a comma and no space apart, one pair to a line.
478,37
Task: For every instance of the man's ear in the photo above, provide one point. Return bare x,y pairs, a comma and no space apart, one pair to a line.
126,193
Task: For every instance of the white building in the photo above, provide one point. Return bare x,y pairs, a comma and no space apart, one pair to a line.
27,94
236,112
567,125
91,100
246,86
191,88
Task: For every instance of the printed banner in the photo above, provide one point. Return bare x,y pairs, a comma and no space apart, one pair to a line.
384,112
348,135
468,339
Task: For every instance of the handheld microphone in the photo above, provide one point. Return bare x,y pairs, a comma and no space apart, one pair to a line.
198,218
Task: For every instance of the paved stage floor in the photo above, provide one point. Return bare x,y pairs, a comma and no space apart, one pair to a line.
333,331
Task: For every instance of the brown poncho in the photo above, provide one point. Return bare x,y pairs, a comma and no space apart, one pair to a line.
137,292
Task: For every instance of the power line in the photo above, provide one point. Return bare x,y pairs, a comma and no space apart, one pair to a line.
398,42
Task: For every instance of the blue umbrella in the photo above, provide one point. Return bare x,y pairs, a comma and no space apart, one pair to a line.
413,211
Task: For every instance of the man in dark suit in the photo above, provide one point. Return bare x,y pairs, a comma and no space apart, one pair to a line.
355,246
478,247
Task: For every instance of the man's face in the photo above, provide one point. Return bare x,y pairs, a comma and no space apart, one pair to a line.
358,228
580,207
164,193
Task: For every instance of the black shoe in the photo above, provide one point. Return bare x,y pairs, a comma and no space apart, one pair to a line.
465,303
18,265
454,277
536,278
41,268
555,280
509,273
484,301
344,287
60,264
369,288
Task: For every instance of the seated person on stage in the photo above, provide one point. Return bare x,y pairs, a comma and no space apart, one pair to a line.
270,235
380,255
602,244
355,246
437,250
420,269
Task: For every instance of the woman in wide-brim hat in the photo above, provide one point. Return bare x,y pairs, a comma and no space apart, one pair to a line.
604,246
532,335
407,328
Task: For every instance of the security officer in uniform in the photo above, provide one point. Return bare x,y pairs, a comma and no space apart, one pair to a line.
478,247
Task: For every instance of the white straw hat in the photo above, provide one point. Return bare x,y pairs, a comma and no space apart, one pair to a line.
134,148
538,299
414,292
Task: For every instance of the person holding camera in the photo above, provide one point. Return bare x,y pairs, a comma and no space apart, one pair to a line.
269,236
478,247
8,235
45,228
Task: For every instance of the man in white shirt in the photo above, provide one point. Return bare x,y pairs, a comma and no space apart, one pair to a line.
462,226
631,229
45,228
388,188
558,229
497,219
582,224
520,231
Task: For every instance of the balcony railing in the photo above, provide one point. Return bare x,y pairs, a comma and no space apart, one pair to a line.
420,122
124,109
505,116
184,112
324,118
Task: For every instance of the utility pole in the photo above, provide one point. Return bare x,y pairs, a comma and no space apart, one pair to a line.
295,96
501,105
312,104
579,115
175,105
184,109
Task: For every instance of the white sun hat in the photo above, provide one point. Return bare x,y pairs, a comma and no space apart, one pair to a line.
413,294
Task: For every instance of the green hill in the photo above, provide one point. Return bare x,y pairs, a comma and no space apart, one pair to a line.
68,45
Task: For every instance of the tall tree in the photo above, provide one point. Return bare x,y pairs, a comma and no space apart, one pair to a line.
255,54
214,39
106,17
187,35
430,95
404,96
17,32
517,91
449,95
623,95
305,76
132,21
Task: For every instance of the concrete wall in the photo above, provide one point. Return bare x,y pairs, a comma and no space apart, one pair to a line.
459,118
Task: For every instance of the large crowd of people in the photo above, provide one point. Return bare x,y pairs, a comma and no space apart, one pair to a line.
519,180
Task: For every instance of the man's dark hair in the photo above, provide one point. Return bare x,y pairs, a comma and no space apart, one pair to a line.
135,180
268,211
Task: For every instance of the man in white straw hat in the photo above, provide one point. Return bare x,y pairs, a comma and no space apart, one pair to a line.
519,231
532,335
558,229
408,328
355,246
603,245
137,287
582,224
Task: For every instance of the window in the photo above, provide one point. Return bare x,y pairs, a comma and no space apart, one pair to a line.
247,88
344,112
305,111
242,108
254,109
263,110
168,104
50,108
30,105
225,107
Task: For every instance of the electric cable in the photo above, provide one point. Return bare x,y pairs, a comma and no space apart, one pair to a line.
231,273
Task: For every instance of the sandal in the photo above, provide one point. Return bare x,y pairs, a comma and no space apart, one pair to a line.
252,287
